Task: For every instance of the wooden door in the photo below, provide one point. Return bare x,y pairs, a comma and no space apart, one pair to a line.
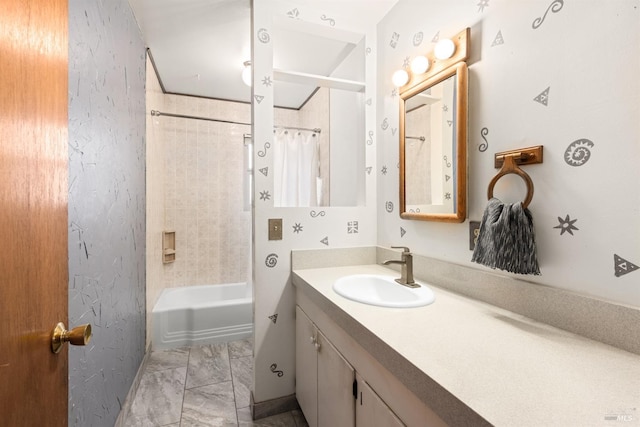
336,403
33,210
306,367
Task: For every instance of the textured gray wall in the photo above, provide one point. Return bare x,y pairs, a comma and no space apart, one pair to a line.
106,206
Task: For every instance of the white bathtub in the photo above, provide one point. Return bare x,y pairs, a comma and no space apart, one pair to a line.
199,315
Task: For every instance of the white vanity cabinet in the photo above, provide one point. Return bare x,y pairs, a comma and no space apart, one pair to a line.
324,380
371,411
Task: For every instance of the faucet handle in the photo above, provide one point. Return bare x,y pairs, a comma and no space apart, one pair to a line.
404,248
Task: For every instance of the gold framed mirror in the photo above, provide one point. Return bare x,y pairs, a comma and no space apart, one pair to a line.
433,144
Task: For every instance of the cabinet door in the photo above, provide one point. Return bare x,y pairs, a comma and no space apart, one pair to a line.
336,403
306,367
371,411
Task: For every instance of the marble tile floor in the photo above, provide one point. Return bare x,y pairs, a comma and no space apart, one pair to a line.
201,386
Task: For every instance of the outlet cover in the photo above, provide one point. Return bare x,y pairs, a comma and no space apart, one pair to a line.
275,228
474,230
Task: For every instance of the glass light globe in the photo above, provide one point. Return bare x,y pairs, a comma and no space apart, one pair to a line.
400,78
419,65
444,49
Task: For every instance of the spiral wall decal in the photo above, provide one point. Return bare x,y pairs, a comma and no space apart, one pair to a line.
385,124
315,214
555,7
263,153
578,152
263,35
331,21
274,369
271,260
483,147
418,38
370,139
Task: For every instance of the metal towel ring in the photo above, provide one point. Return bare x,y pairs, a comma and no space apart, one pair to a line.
510,166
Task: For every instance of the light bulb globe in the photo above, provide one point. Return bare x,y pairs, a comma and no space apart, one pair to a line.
419,65
400,78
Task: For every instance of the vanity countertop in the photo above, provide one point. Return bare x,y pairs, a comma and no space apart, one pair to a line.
507,368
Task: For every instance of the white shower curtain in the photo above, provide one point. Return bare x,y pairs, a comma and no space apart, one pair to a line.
296,182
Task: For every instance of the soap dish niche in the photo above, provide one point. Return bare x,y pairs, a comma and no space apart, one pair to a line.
168,246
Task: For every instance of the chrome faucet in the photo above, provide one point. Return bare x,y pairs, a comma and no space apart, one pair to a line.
406,269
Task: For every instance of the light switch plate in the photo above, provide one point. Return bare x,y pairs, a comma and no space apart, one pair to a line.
275,228
474,230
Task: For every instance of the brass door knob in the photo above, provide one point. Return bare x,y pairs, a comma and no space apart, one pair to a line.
80,335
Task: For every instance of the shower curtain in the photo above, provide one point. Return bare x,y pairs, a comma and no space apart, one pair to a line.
296,169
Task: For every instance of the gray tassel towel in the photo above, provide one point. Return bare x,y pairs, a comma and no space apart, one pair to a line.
507,239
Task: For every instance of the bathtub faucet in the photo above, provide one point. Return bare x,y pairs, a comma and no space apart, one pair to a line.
406,269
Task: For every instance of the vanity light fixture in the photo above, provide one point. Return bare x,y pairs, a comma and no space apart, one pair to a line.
420,65
246,73
400,78
444,49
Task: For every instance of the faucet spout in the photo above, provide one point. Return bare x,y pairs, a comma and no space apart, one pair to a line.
406,269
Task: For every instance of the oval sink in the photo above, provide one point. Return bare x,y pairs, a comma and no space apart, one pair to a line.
382,291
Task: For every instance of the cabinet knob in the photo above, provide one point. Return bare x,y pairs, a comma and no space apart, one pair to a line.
317,346
312,340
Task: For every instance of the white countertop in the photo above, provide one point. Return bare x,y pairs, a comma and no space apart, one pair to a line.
509,369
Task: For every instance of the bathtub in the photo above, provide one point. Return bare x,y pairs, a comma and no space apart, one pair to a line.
199,315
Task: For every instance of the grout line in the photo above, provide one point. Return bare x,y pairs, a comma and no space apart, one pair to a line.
184,390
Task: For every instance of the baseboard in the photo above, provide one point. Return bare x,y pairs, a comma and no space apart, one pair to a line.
273,406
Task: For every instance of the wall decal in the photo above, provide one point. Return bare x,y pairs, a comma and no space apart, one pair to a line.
417,38
483,147
416,210
498,40
447,178
263,153
402,232
352,227
543,98
436,38
369,101
369,169
367,51
266,81
325,241
274,318
446,161
482,4
264,195
389,206
449,122
385,124
555,7
566,224
394,92
393,131
274,369
331,21
297,228
445,108
447,196
258,98
578,153
406,62
315,214
293,13
271,260
394,40
370,139
622,266
264,171
384,170
263,35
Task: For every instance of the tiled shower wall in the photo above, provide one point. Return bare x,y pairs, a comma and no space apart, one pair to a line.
203,185
106,206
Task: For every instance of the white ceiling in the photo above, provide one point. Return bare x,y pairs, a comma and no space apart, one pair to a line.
199,46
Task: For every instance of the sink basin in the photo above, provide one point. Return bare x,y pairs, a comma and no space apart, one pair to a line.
382,291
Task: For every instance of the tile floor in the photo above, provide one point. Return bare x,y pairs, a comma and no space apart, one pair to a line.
201,386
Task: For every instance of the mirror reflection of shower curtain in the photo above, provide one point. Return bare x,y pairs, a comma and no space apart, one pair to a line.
296,169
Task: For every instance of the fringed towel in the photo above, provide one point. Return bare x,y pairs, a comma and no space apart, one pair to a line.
507,239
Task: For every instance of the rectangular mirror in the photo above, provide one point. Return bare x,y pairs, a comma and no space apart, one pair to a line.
319,75
433,147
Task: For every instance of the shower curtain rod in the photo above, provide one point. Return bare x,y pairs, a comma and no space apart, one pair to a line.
182,116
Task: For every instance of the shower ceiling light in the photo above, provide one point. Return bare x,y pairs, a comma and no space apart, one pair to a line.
246,73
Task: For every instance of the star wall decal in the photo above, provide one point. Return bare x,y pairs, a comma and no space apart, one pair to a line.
406,62
297,228
267,81
447,196
264,195
384,170
566,224
482,4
